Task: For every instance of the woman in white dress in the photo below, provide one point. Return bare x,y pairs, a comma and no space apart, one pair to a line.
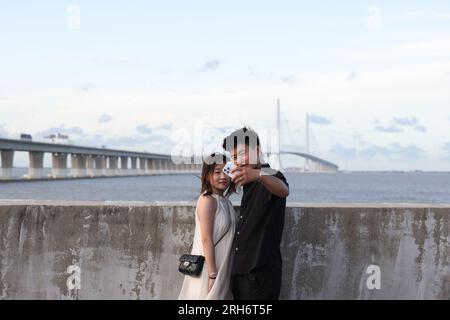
215,223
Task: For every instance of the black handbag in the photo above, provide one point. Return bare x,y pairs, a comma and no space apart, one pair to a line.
191,264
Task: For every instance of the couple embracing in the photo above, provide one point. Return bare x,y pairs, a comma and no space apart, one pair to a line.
242,252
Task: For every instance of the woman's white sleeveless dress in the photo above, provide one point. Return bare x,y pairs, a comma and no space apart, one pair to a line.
196,288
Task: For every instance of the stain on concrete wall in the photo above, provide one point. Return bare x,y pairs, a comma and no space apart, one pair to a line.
327,252
131,250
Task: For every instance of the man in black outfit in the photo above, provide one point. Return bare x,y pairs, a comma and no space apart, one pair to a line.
256,271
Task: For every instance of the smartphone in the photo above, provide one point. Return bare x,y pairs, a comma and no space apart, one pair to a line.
228,167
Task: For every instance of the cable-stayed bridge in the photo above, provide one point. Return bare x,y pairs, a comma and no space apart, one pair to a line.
312,163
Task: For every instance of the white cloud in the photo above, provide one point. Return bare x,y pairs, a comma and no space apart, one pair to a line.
398,122
343,151
144,129
318,119
386,152
104,118
87,87
389,129
392,151
406,121
211,65
290,79
420,128
61,129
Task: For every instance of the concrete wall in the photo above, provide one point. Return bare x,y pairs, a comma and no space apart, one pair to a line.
130,250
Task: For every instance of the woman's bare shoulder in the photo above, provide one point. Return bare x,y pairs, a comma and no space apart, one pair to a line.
207,202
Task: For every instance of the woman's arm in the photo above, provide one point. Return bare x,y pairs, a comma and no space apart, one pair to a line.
206,210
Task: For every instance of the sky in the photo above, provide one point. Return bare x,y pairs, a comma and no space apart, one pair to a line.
159,76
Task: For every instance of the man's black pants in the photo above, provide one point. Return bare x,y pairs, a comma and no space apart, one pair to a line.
262,283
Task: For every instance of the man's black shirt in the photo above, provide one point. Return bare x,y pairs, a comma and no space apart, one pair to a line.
260,227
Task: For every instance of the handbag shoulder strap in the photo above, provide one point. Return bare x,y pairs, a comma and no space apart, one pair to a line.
223,235
192,244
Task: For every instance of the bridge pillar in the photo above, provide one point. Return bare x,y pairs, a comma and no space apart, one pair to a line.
133,161
166,166
90,166
142,167
100,165
7,158
162,166
112,169
123,166
59,165
156,166
172,168
149,163
78,165
36,165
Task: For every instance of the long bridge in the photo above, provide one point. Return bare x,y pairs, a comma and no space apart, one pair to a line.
101,162
86,161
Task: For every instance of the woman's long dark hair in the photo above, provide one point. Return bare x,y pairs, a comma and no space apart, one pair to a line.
209,165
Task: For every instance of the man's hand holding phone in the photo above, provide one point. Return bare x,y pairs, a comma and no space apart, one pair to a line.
244,174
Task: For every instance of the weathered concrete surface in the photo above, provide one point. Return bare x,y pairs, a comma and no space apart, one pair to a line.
130,250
